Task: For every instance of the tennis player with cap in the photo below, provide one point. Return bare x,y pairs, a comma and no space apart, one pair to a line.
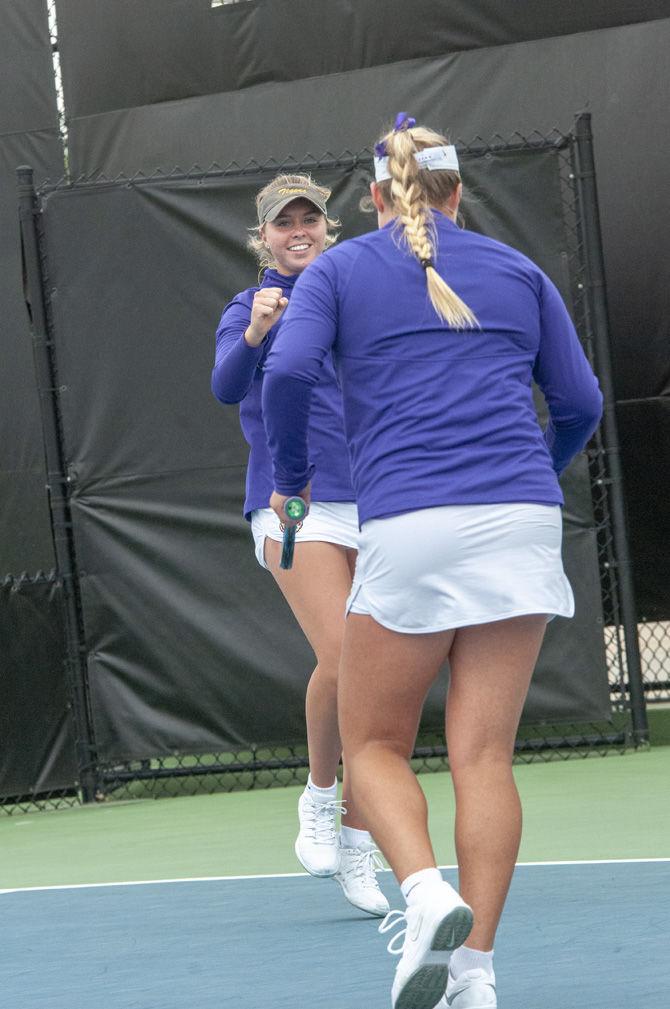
437,333
293,229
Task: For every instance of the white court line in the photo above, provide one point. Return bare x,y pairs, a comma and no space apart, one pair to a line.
298,875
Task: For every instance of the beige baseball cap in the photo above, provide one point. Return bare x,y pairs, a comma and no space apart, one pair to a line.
273,203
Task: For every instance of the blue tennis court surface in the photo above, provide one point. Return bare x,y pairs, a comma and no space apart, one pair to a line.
588,936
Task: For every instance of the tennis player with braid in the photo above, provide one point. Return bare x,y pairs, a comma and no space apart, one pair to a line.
436,334
293,229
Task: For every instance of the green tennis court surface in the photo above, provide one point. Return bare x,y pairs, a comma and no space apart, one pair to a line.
617,807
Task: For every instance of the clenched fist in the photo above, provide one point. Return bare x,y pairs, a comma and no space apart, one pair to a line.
267,308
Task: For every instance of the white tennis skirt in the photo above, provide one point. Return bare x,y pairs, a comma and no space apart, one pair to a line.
458,565
327,522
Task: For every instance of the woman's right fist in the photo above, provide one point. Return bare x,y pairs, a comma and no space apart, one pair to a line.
266,310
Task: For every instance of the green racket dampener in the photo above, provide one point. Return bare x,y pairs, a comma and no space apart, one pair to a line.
296,509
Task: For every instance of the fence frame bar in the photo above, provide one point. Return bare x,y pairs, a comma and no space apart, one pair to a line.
595,299
58,482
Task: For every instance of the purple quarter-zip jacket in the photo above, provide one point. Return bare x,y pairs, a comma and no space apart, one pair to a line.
433,415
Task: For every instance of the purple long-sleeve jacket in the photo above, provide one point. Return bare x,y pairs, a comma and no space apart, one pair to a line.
237,377
433,415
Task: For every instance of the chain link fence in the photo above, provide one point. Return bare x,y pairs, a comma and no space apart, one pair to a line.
655,657
272,764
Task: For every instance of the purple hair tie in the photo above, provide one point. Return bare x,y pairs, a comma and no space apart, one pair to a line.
403,121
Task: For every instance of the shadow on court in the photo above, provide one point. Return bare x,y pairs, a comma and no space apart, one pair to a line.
588,936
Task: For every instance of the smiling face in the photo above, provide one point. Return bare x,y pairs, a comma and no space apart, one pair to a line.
296,236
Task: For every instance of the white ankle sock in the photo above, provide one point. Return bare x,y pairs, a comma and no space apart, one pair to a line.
413,887
321,794
464,958
351,837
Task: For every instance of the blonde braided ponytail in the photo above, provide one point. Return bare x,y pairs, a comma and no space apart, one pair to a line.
409,196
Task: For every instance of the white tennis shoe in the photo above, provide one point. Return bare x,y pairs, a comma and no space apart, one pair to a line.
357,876
435,927
317,845
473,989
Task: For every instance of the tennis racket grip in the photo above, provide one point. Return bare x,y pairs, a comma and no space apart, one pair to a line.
295,508
287,548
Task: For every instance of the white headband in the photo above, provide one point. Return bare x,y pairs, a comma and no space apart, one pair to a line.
435,159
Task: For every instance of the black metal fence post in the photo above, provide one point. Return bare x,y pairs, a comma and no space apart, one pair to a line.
596,307
57,482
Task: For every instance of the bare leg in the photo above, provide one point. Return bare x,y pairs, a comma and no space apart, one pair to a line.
384,678
316,589
491,667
